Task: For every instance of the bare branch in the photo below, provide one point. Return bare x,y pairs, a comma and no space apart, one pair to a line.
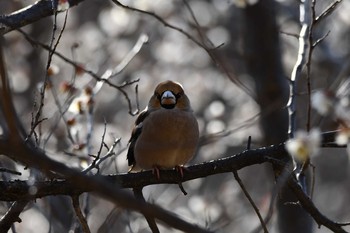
53,46
96,162
12,215
29,14
2,169
320,39
281,181
151,222
110,73
246,193
80,216
303,52
204,39
160,19
276,155
327,11
308,64
210,50
308,205
78,65
296,36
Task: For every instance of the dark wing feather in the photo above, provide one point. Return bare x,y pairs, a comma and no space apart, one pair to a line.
134,136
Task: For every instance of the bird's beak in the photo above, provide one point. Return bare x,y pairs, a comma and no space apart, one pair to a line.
168,98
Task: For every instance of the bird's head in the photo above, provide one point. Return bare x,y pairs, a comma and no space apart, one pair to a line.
169,95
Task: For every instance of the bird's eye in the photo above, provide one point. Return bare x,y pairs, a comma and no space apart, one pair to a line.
178,95
157,95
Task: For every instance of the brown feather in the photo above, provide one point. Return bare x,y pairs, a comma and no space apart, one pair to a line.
164,135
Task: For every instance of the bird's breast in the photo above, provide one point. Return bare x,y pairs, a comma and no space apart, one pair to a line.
168,138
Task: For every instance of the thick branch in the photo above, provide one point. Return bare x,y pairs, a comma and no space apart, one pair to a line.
12,215
307,204
18,190
276,155
29,15
303,53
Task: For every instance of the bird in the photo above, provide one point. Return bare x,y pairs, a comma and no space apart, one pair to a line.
165,134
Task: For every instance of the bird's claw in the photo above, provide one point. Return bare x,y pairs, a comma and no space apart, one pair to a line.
155,171
180,169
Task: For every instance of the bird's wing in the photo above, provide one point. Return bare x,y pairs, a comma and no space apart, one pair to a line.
134,136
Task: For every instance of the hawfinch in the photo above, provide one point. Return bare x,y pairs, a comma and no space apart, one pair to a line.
165,134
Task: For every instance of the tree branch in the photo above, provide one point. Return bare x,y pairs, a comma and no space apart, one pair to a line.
151,221
29,14
12,215
303,53
210,50
276,155
107,74
246,193
80,216
308,205
18,190
327,11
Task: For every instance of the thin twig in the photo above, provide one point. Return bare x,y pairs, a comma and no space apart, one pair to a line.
79,214
308,64
61,113
90,124
137,98
327,11
77,65
53,46
107,75
2,169
320,39
160,19
313,181
97,157
110,73
281,181
96,162
249,142
246,193
102,140
210,50
182,188
296,36
202,36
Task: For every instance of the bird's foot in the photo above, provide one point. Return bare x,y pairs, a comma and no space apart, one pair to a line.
155,171
180,169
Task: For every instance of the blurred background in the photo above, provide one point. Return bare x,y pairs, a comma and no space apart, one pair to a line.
232,99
